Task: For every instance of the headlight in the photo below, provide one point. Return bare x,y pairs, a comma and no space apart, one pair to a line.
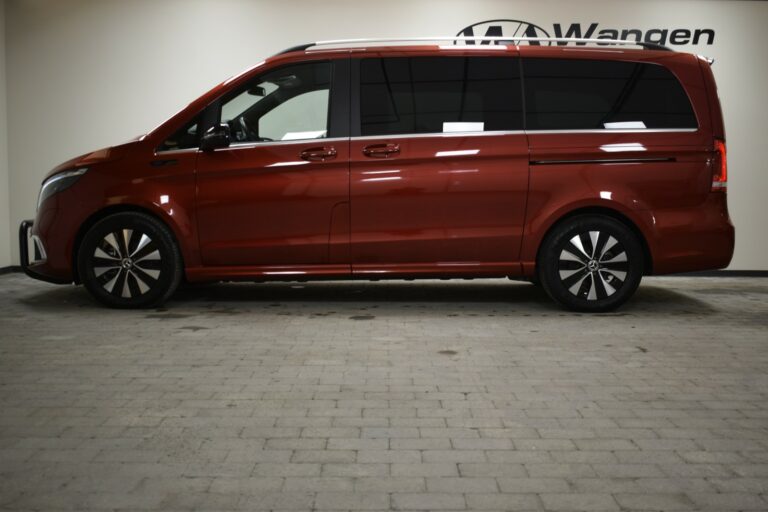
59,182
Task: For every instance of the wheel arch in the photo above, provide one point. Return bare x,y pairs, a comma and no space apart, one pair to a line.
606,212
111,210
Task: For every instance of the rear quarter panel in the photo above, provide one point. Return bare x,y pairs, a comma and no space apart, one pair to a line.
662,190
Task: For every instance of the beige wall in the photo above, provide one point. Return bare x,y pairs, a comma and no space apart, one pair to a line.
5,209
89,73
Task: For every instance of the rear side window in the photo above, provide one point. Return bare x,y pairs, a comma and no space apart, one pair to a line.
577,94
405,95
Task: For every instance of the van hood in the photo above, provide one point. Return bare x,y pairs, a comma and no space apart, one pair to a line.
99,156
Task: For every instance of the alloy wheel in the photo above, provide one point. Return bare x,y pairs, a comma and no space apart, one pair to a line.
127,263
593,265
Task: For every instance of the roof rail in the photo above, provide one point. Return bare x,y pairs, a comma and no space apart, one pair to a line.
490,39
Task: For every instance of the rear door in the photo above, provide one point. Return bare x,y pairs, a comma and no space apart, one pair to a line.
438,163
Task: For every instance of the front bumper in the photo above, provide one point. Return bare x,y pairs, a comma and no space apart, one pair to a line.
40,255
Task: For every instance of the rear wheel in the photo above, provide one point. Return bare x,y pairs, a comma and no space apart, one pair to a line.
129,260
591,263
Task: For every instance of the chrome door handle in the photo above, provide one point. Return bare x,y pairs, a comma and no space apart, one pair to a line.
381,150
319,154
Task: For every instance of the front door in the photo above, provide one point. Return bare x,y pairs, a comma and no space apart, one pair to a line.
279,195
439,166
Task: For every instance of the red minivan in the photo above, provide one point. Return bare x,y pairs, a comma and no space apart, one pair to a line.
580,168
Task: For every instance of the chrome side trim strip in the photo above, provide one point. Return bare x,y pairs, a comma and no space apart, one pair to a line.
176,151
616,130
321,141
440,134
603,161
525,132
238,145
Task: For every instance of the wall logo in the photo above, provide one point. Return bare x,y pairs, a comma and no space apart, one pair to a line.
504,28
518,28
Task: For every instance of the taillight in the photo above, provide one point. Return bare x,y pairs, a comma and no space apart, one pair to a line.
720,168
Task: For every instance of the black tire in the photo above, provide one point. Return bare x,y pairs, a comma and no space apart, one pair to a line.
129,260
591,263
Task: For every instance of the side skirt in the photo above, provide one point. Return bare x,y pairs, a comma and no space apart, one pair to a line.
453,270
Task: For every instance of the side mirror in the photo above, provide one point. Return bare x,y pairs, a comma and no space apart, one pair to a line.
216,137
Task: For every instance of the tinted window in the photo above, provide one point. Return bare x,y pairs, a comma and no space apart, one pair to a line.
590,94
290,103
439,94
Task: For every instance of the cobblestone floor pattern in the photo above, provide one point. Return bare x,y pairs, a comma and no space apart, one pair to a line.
434,395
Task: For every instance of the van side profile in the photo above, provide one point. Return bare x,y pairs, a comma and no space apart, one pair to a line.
579,168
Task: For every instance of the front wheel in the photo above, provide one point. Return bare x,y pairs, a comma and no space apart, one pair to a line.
591,263
129,260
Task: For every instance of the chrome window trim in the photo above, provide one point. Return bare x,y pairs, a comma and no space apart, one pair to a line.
241,145
320,141
176,151
605,131
439,134
618,130
525,132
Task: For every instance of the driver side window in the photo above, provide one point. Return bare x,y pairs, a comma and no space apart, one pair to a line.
290,103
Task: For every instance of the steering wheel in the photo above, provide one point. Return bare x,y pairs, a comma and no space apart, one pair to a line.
248,134
251,135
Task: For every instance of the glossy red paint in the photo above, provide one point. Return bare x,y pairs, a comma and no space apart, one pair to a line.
122,179
450,202
669,202
269,206
443,205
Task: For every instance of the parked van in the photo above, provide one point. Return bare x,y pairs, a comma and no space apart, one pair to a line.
579,168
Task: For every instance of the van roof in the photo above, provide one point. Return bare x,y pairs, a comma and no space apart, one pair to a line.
469,41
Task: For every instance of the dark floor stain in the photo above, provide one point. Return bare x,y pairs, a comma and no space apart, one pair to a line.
362,317
168,316
642,349
447,352
225,311
194,328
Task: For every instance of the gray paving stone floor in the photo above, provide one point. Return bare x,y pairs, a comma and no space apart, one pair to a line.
433,395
